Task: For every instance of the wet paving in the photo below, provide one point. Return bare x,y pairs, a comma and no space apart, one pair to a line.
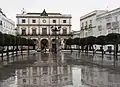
54,70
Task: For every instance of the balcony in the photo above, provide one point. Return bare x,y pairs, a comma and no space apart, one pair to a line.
82,28
0,22
60,34
90,25
33,35
44,34
86,27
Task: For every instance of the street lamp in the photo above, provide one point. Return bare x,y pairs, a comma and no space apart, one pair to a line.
55,30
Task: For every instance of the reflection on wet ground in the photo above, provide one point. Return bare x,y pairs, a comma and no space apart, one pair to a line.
50,70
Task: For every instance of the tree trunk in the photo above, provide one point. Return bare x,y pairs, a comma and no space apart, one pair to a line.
87,48
28,50
71,48
93,49
7,53
16,50
13,51
2,53
102,52
115,51
79,49
21,50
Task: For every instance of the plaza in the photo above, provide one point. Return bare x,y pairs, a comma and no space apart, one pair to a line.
59,43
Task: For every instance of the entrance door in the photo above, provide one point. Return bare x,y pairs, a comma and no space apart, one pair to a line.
44,44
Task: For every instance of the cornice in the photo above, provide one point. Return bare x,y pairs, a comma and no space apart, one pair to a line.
43,17
44,25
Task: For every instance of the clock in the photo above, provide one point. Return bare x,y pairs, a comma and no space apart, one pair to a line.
44,21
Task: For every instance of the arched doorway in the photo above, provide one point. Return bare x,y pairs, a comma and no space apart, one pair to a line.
44,44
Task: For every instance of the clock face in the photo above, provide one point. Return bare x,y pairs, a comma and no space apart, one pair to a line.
44,21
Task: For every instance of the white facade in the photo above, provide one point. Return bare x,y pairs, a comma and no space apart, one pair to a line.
108,22
39,26
88,23
102,23
76,34
6,25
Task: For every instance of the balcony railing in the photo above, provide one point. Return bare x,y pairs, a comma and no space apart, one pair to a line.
82,28
90,26
45,34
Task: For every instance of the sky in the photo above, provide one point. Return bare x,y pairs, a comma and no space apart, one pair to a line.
76,8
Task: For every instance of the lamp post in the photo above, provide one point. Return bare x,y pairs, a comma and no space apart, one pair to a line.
55,30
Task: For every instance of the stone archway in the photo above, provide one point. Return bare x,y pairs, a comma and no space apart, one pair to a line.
44,44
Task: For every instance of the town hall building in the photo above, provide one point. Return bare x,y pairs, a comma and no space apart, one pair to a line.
47,29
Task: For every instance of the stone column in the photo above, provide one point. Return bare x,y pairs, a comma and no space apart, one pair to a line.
28,26
49,44
39,44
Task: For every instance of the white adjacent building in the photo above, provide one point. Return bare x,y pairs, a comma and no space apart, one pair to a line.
88,23
76,34
100,22
108,22
39,26
6,25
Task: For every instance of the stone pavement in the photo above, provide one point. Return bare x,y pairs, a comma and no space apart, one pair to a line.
96,59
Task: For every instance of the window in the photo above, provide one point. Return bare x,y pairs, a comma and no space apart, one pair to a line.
54,69
115,25
24,80
90,21
116,18
33,21
108,25
23,20
54,21
100,28
24,72
34,70
4,24
82,24
23,31
54,78
34,81
64,21
45,70
44,31
33,31
0,22
65,69
86,23
64,31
